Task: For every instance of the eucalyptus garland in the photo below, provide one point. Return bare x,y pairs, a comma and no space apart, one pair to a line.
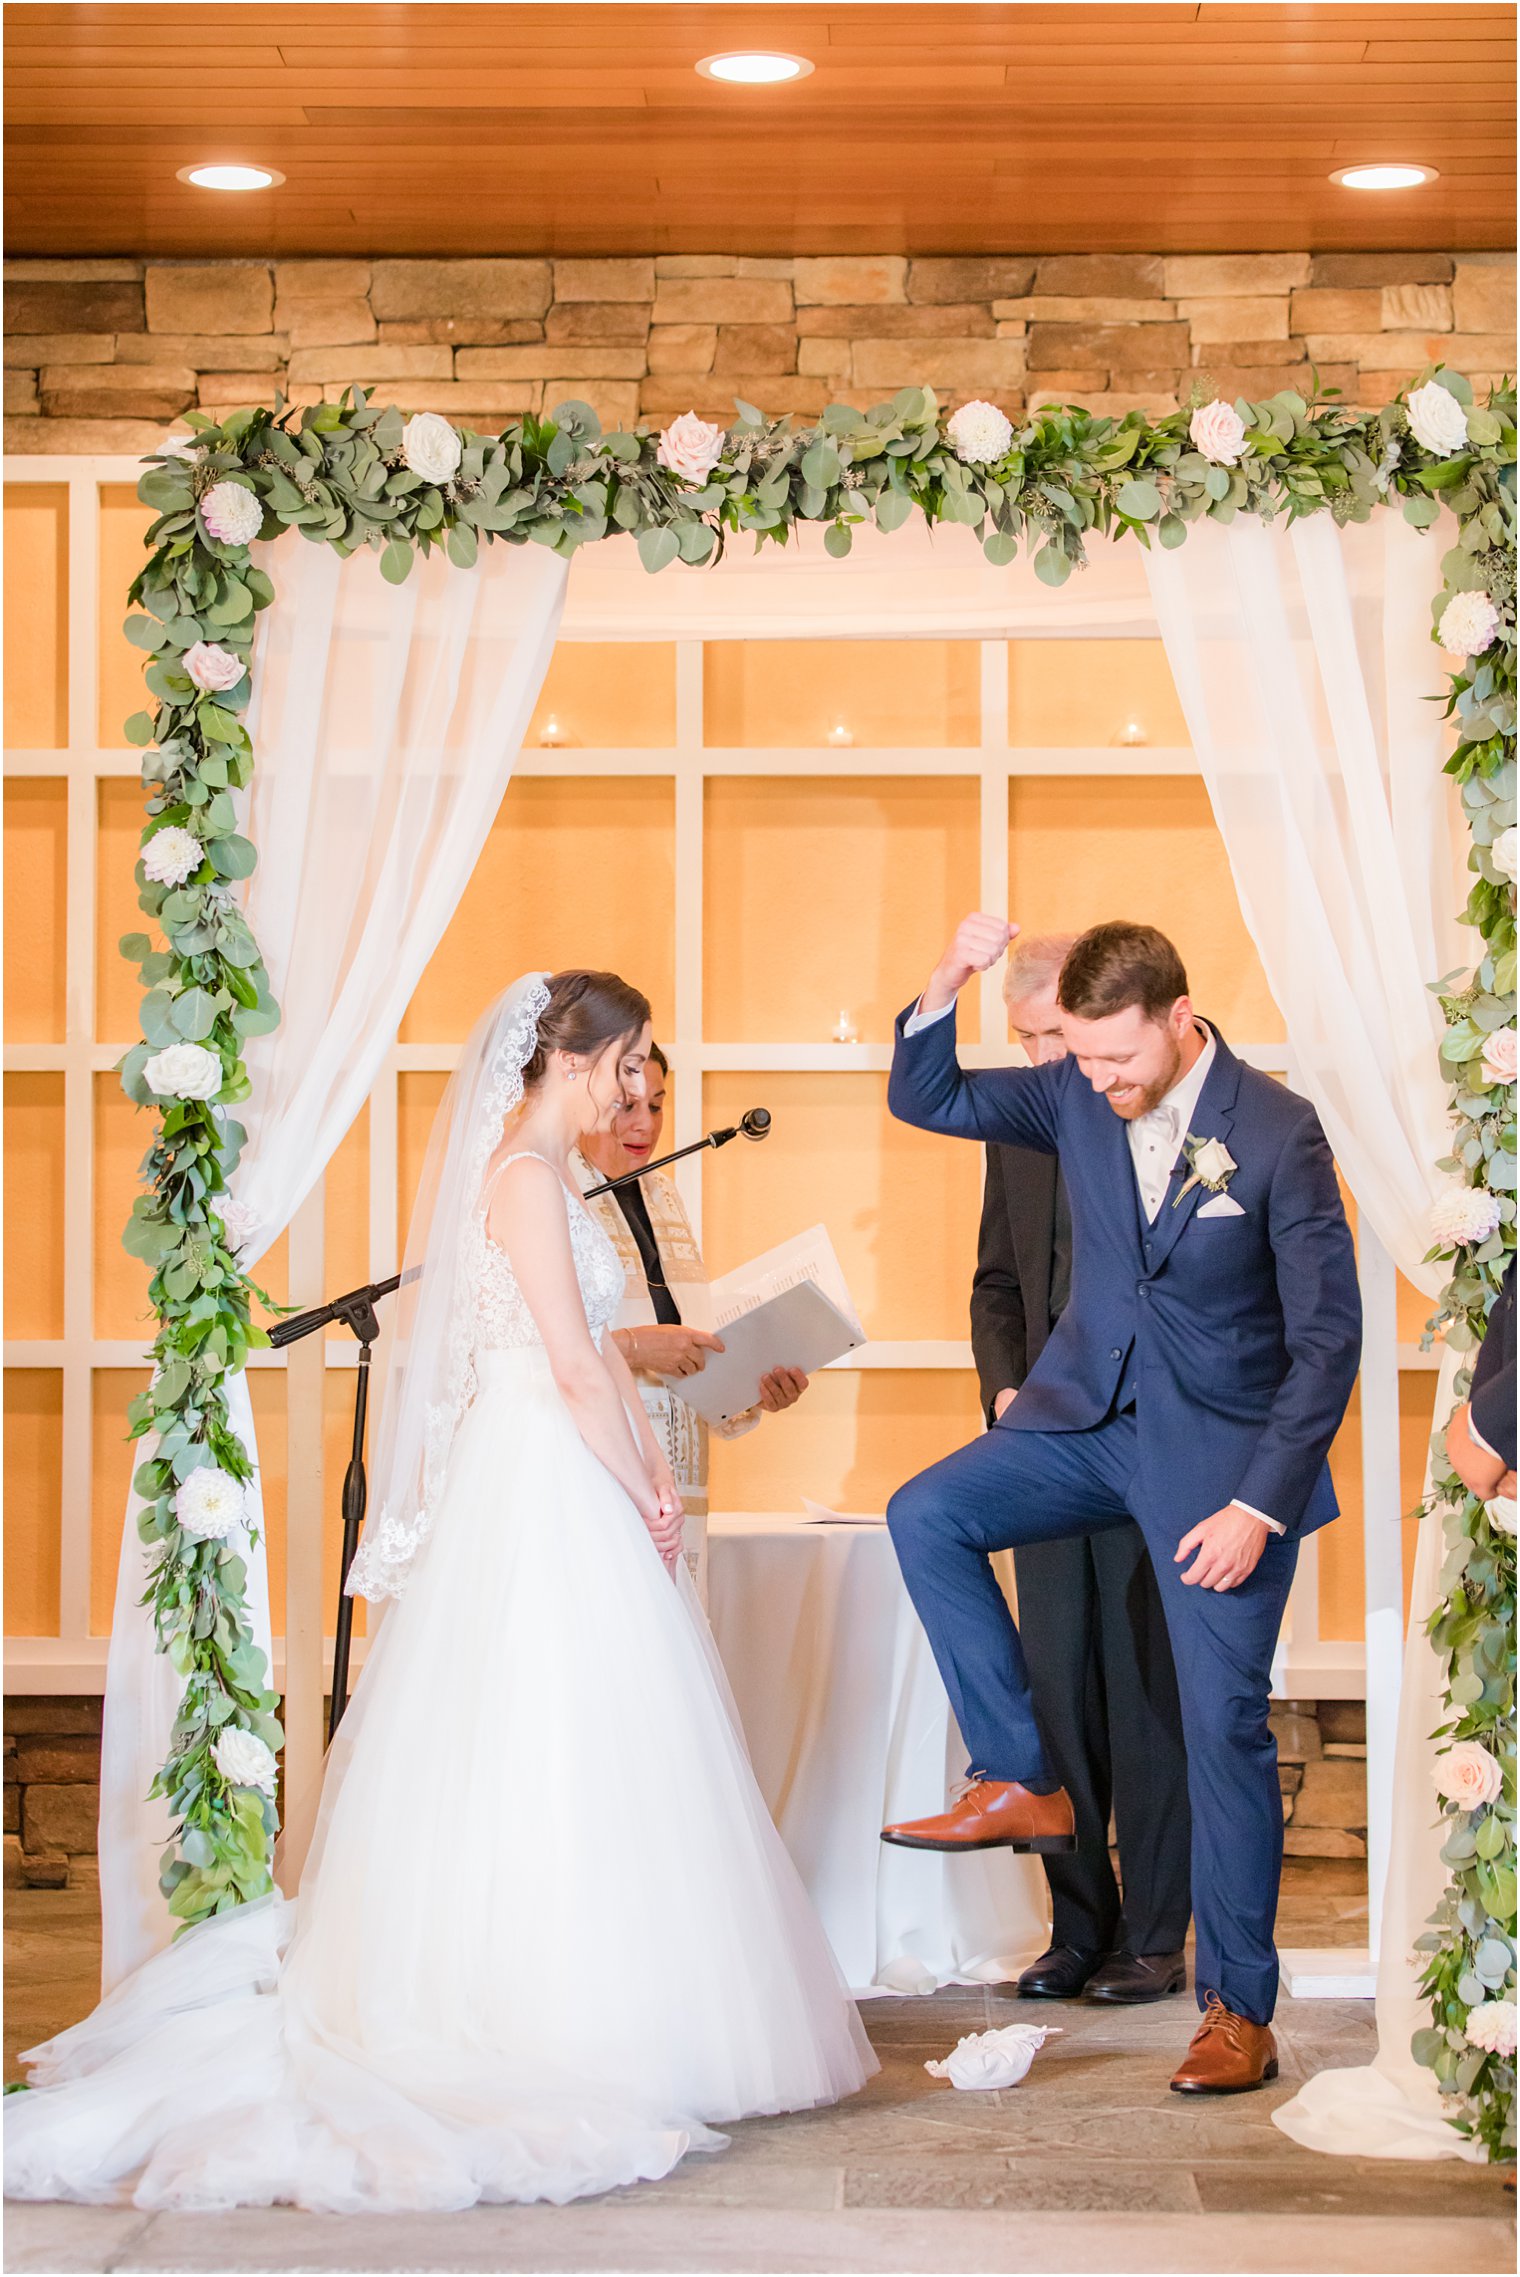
353,474
1469,1948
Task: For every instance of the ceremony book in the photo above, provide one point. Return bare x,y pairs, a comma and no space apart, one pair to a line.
789,1308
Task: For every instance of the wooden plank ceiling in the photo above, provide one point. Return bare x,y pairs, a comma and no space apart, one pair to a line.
924,129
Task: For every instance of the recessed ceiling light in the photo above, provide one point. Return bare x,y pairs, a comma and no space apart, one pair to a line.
755,70
1383,177
230,177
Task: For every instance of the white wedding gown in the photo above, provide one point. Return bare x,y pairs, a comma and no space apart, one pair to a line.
547,1933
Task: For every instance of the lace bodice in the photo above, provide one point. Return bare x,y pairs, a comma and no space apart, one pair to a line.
503,1321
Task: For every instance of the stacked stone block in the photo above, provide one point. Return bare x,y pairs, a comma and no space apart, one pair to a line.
103,355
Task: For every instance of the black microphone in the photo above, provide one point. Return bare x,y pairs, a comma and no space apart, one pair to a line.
754,1123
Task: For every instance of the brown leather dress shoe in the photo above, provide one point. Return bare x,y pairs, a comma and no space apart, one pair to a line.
1229,2054
993,1814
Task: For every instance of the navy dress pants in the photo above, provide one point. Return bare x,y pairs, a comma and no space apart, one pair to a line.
1011,1487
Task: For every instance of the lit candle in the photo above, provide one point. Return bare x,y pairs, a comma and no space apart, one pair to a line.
551,734
846,1031
840,736
1133,731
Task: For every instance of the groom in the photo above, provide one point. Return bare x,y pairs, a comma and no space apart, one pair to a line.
1194,1383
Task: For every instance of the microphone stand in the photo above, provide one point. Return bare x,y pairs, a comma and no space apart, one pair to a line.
355,1310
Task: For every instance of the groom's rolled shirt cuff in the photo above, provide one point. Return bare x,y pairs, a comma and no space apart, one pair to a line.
918,1019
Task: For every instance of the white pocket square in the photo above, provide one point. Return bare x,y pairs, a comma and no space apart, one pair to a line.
1221,1207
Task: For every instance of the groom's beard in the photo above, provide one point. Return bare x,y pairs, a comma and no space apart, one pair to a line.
1130,1101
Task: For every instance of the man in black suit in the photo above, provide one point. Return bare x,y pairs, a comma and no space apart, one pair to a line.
1090,1612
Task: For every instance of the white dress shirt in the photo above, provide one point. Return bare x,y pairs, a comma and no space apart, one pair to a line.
1155,1140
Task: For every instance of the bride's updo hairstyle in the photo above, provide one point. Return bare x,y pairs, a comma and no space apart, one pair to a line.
585,1013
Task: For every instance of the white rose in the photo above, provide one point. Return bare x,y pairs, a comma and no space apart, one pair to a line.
1214,1162
431,447
232,514
1502,853
979,433
212,668
172,855
1468,1775
691,447
211,1504
1491,2026
993,2059
1218,431
239,1222
1464,1214
184,1071
1468,623
243,1759
1438,420
1499,1057
1501,1514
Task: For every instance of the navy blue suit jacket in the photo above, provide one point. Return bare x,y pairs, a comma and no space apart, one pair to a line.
1246,1330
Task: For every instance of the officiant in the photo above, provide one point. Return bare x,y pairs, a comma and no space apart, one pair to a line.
655,1329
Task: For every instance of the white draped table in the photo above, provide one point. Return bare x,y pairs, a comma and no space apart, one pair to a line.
849,1727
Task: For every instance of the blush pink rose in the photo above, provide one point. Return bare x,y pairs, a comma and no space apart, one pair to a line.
213,669
1218,431
691,447
1468,1775
1499,1057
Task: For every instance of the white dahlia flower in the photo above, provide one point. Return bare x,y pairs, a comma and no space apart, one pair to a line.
184,1071
172,855
1491,2026
1464,1214
978,433
243,1759
232,513
1468,623
211,1504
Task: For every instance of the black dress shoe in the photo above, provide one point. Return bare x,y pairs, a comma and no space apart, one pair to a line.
1133,1977
1059,1974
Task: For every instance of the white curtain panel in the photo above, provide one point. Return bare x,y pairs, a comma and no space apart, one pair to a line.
1303,660
1304,663
386,721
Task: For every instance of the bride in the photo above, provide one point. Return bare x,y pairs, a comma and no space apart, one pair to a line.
547,1931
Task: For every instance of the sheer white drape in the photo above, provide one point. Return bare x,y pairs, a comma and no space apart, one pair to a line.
1304,664
1303,660
386,720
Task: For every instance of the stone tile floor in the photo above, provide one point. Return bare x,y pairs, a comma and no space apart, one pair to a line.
1091,2165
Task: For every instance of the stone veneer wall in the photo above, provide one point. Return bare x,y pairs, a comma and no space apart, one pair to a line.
52,1783
101,355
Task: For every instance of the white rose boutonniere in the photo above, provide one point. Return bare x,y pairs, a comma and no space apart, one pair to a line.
1211,1164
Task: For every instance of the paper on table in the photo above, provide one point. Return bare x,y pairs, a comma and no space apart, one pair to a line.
819,1515
789,1308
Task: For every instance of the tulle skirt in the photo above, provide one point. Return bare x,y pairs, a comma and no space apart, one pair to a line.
547,1936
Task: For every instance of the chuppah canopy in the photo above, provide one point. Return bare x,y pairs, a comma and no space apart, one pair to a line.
1309,771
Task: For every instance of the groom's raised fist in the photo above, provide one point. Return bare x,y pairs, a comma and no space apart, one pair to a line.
979,942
